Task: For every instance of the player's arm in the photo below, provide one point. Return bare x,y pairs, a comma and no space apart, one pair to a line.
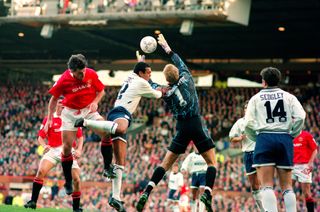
298,117
235,134
250,120
174,57
51,109
42,135
313,146
147,91
185,165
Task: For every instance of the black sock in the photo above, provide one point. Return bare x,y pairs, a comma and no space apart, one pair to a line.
158,174
66,162
36,187
76,200
106,151
310,206
210,178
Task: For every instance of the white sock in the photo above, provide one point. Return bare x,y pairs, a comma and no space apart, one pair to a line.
290,201
269,200
176,208
193,205
258,198
108,126
117,182
201,206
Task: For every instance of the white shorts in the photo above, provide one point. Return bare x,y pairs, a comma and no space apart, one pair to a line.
54,156
301,173
69,117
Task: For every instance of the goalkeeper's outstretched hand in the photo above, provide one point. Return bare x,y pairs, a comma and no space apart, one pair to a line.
163,43
140,57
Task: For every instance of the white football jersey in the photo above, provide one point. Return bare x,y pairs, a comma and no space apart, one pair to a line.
194,163
132,90
175,180
237,129
275,110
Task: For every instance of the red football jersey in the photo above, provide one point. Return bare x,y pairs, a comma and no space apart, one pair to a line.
304,145
77,93
54,135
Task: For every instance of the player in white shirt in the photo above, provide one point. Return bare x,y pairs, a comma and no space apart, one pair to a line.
197,167
236,135
174,185
276,116
119,118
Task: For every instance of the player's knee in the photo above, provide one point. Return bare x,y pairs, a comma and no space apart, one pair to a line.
121,129
41,174
76,182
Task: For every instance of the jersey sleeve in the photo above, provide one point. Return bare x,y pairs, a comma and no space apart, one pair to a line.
147,91
57,89
235,130
312,144
154,85
179,64
298,117
97,83
41,132
79,132
249,120
185,163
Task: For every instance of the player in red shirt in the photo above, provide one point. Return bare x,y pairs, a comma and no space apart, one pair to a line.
305,151
82,91
52,156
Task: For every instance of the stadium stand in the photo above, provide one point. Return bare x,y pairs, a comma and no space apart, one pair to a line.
23,105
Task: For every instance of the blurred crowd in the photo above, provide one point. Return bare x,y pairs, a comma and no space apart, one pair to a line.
23,106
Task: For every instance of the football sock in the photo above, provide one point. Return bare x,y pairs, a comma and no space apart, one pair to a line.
117,181
158,174
193,205
108,126
66,162
257,197
269,200
201,206
76,200
310,204
290,200
106,151
210,178
36,187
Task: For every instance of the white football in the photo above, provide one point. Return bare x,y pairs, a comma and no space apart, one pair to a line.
148,44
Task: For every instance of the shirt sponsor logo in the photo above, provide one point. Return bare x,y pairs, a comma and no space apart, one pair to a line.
81,87
297,145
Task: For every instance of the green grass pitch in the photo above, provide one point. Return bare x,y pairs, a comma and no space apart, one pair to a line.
10,208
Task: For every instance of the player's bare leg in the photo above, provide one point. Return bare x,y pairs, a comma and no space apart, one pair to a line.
67,159
255,189
306,191
288,194
120,151
44,167
76,195
206,197
157,175
265,175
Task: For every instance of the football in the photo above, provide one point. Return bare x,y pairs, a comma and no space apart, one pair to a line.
148,44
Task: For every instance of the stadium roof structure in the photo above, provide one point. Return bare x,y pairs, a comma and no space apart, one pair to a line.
282,32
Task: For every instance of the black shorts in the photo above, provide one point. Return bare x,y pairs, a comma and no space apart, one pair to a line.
191,129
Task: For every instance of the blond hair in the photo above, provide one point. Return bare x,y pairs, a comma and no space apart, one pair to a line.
171,73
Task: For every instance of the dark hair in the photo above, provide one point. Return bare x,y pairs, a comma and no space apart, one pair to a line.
140,66
271,75
77,62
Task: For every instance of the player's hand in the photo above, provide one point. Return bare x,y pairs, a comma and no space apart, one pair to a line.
176,194
163,43
77,154
310,167
243,137
140,57
93,107
46,148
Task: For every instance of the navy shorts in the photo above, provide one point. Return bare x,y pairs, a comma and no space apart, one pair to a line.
274,149
116,113
171,195
191,129
248,162
198,179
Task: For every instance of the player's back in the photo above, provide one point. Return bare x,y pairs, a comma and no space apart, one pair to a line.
132,90
274,109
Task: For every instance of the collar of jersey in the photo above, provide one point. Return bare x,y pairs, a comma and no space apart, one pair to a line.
269,89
